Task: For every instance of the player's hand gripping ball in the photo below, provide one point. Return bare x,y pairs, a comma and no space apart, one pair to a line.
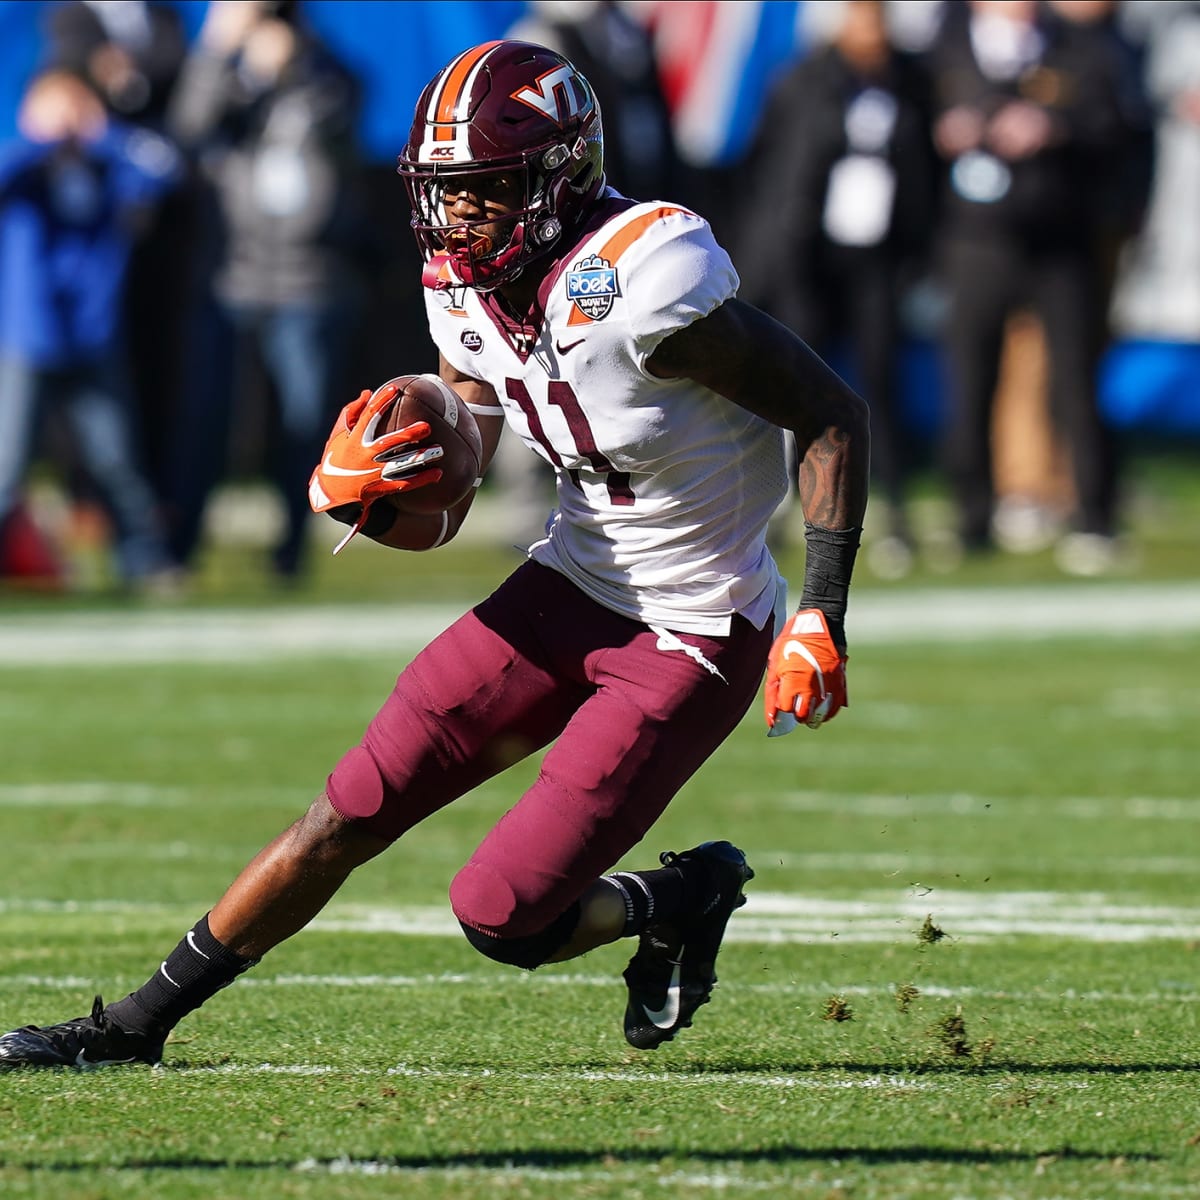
412,435
452,446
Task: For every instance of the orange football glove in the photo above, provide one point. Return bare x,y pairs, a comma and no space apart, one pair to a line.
360,465
806,675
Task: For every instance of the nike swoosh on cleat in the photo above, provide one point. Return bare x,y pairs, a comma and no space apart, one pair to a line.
666,1016
85,1063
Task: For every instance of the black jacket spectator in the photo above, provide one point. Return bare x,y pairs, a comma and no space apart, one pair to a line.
1030,111
837,224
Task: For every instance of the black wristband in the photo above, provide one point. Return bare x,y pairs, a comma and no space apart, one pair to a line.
828,566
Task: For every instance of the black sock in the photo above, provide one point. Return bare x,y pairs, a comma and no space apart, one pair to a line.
650,896
196,969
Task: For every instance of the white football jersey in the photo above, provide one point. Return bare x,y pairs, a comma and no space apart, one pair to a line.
664,488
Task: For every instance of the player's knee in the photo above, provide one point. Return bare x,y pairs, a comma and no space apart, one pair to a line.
499,927
529,951
355,786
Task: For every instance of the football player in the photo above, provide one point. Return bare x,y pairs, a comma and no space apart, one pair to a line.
607,333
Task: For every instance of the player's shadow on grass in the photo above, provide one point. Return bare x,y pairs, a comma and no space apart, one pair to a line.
967,1064
606,1158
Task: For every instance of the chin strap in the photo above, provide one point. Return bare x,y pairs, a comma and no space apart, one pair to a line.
438,274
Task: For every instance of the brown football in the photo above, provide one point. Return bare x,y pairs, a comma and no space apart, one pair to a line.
452,427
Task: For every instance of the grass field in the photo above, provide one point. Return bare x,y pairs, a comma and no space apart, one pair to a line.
968,967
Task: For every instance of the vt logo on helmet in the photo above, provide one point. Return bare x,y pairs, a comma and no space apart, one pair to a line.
557,94
502,109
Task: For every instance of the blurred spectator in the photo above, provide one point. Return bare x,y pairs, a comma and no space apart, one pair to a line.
271,116
1025,109
616,56
1158,292
836,228
128,50
73,187
131,52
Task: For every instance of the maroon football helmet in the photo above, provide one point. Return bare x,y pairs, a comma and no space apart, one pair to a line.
503,107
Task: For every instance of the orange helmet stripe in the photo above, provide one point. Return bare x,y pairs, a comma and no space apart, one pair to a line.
446,101
619,243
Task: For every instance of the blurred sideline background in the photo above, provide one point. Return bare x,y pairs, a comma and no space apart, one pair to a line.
716,62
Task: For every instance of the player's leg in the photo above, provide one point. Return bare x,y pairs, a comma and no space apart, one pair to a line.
534,891
274,896
451,722
468,705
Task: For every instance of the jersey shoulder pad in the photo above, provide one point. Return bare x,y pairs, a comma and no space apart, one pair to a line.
661,260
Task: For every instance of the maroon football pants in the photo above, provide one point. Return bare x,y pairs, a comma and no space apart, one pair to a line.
535,663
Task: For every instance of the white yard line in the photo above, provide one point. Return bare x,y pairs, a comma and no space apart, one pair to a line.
776,917
877,617
706,1079
75,794
798,989
970,804
723,1182
84,794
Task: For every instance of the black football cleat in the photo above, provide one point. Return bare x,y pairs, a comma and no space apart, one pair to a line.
85,1042
674,969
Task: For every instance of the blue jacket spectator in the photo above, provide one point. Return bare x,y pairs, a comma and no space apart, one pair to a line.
68,217
73,186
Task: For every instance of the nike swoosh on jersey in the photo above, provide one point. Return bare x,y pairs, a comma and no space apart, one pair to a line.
666,1016
569,346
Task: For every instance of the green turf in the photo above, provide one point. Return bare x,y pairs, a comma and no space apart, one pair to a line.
986,865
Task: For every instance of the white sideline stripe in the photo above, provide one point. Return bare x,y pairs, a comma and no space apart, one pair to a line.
491,982
640,1176
900,865
719,1181
253,634
83,794
969,804
724,1079
967,916
906,865
783,917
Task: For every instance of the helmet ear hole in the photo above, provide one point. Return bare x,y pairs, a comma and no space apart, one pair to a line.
582,179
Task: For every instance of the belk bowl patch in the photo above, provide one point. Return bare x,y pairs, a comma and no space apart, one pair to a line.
592,287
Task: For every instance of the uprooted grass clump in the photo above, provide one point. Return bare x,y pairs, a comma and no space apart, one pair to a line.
951,1034
929,933
837,1008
